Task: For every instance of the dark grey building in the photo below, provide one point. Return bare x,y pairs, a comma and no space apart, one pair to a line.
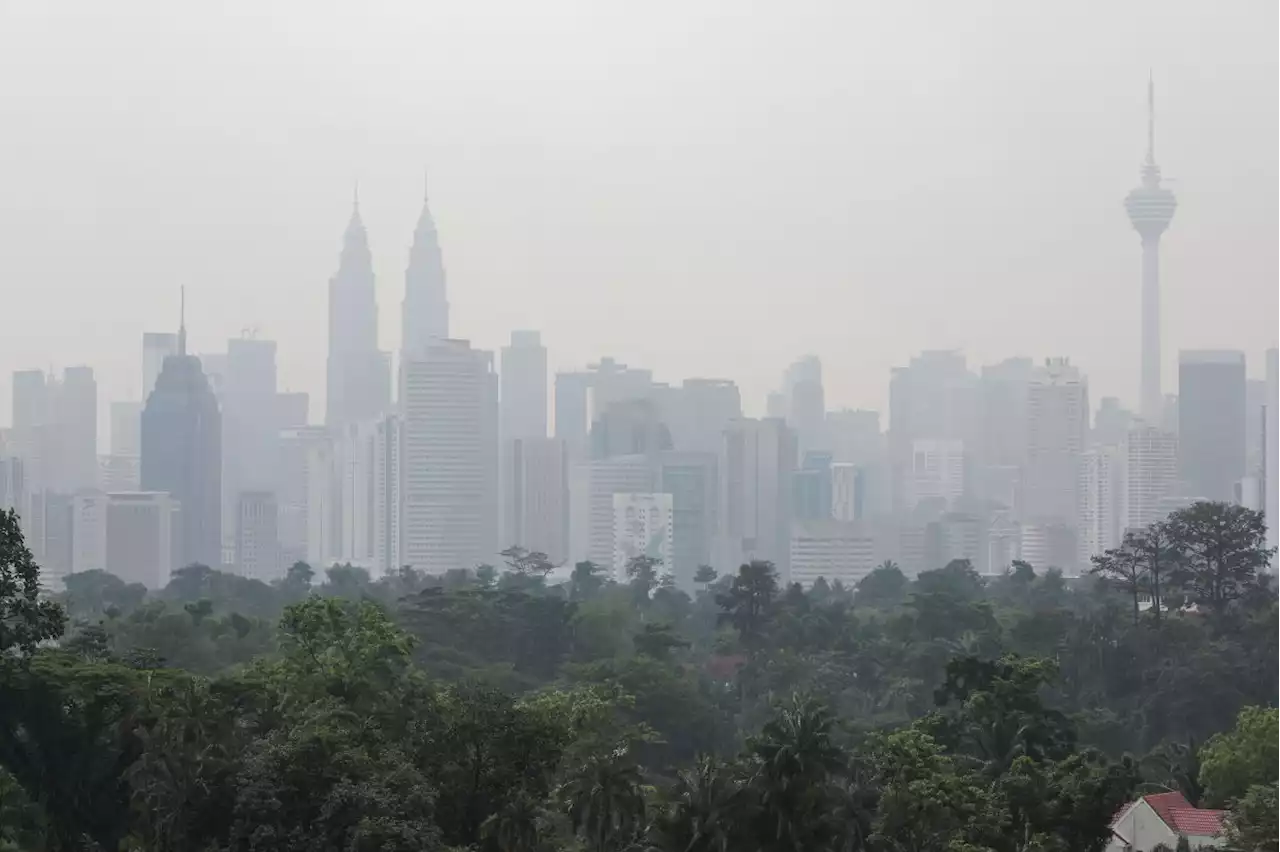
182,454
1211,422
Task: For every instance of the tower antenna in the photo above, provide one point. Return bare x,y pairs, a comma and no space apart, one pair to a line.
1151,119
182,319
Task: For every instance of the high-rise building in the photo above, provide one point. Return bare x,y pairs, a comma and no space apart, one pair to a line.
13,488
250,433
1102,500
699,411
308,504
935,397
1112,422
370,480
257,536
1000,455
524,387
612,382
833,550
88,531
629,427
756,465
424,314
77,420
182,454
643,525
156,346
592,486
1151,475
692,480
449,400
806,403
573,404
811,488
139,537
119,473
938,473
1211,427
846,492
536,497
1151,209
1057,431
359,374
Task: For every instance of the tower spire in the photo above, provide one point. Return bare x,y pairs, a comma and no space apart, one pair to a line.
182,319
1151,119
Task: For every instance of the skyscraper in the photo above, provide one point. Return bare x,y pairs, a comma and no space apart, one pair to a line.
756,465
182,454
449,397
77,418
1057,429
1151,208
1211,428
359,375
1151,473
524,387
250,433
806,403
424,314
156,346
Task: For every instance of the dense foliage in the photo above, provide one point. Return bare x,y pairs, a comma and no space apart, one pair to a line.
490,710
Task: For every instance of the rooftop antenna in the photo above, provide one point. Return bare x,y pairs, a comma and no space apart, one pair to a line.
1151,119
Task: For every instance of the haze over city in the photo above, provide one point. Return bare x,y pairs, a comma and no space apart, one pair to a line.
702,190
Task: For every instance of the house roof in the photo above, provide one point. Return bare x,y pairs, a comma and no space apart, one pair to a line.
1197,821
1180,816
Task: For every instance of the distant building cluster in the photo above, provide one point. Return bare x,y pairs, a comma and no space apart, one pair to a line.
455,455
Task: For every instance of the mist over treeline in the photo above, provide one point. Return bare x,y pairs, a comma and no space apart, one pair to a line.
489,709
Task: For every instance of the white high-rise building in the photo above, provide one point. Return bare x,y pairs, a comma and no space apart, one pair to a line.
643,525
756,467
524,387
371,498
257,536
846,497
1057,429
937,472
536,483
449,401
593,485
119,473
88,531
308,504
1102,495
834,550
1151,474
250,432
139,537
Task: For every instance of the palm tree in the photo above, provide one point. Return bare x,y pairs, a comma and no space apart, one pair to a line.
700,812
516,827
606,802
797,763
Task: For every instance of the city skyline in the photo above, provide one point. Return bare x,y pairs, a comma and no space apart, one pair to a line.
828,197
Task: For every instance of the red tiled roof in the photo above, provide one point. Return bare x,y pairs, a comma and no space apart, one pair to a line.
1164,803
1180,816
1197,821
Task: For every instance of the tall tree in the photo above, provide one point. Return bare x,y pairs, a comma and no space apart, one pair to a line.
1223,548
26,618
1125,568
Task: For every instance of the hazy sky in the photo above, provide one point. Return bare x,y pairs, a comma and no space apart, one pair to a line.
706,188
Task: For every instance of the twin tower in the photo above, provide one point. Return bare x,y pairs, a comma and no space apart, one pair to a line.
359,373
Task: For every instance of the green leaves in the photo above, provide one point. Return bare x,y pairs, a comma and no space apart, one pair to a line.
26,619
1234,761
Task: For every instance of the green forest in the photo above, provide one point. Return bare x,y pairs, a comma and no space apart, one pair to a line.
490,710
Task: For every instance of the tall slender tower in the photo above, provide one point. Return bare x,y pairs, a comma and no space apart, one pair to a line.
1151,209
359,375
425,310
